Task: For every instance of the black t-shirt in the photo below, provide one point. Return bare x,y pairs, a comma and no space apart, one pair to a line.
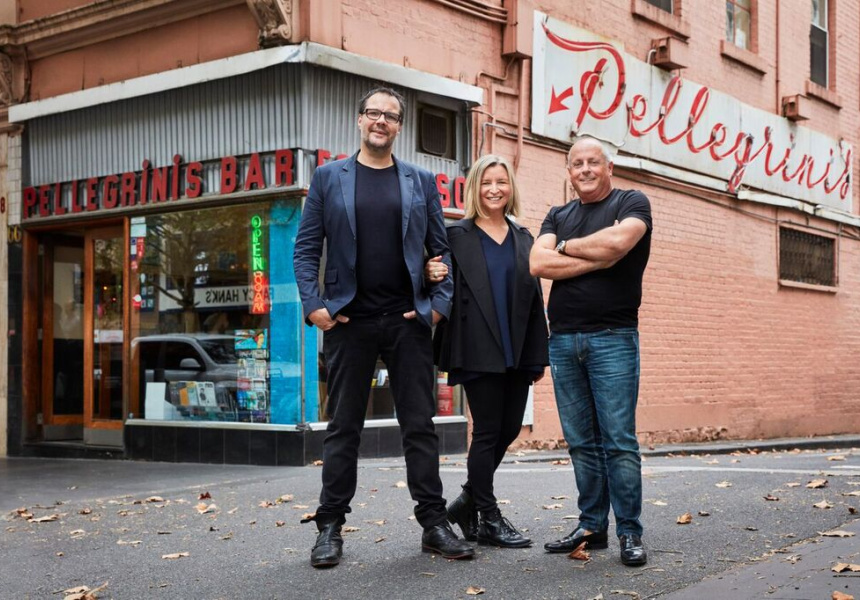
383,284
604,298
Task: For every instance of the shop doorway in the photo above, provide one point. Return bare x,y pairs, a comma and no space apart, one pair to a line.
83,344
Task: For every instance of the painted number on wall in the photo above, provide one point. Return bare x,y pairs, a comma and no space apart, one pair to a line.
2,204
14,234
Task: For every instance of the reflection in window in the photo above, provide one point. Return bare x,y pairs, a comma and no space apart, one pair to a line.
818,43
210,341
666,5
738,23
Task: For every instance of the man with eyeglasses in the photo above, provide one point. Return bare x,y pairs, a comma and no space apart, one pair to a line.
377,215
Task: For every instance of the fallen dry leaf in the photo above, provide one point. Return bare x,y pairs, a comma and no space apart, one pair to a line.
203,508
552,506
317,463
266,504
85,511
562,497
840,567
771,498
350,529
46,519
836,457
379,539
300,506
579,553
308,515
793,484
83,592
400,484
816,483
561,461
78,532
751,528
279,523
823,504
131,543
685,519
837,533
175,555
837,595
634,595
723,484
712,462
474,590
204,496
155,499
284,498
659,503
379,522
229,536
503,501
854,493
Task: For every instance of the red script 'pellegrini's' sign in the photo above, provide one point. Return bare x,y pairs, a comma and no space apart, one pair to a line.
584,84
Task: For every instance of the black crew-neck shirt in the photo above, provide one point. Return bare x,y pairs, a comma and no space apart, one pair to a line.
605,298
383,283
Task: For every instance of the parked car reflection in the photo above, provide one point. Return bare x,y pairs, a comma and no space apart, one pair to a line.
177,359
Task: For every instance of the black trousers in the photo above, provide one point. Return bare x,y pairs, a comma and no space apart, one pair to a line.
351,350
497,402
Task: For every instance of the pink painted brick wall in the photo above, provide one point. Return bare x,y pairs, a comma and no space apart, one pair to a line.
726,351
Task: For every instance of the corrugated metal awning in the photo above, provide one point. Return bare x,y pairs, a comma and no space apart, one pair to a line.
307,52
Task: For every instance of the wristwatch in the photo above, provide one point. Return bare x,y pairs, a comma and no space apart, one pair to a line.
560,247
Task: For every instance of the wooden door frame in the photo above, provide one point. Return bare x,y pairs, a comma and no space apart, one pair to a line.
122,230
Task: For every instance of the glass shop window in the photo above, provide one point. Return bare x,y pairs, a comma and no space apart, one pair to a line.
212,339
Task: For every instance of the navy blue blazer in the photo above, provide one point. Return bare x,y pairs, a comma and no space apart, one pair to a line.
329,215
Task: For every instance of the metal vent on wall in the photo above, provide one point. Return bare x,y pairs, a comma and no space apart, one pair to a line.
436,131
806,258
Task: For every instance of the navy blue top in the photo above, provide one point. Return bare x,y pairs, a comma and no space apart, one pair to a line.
501,268
383,284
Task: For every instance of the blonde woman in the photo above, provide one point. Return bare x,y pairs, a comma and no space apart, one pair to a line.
495,341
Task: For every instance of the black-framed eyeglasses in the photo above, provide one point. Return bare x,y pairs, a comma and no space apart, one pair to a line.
373,114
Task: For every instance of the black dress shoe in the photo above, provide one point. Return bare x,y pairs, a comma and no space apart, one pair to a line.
495,530
441,539
595,541
632,551
461,511
329,546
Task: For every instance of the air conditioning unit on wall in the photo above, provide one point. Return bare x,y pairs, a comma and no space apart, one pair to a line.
794,108
669,53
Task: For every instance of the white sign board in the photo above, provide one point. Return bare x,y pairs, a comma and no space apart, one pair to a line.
586,84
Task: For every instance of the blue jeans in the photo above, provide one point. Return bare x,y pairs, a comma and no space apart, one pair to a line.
596,381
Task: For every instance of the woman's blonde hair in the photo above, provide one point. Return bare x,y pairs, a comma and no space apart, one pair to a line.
473,187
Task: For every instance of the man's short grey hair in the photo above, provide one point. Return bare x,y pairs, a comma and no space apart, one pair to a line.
607,150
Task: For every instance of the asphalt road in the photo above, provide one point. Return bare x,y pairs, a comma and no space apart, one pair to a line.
738,545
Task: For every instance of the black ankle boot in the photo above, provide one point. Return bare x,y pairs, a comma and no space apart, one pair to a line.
461,511
329,545
495,530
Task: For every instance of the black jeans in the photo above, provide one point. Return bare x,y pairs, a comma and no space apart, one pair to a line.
351,350
497,402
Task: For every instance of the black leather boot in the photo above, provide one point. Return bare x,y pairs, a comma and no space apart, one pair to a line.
462,512
495,530
328,548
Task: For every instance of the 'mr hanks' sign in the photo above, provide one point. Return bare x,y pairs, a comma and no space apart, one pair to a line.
585,84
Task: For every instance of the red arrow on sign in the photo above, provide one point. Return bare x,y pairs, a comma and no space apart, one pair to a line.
556,101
